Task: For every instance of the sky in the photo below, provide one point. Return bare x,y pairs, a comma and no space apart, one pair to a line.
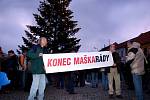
101,21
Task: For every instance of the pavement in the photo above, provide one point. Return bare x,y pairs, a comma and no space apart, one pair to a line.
83,93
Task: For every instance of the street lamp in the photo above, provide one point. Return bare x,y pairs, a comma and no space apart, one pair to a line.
96,48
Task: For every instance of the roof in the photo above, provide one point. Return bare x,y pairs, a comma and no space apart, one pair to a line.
143,38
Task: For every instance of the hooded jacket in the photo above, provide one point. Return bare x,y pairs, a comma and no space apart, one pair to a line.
136,58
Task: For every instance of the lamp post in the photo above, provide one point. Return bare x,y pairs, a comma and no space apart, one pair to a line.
96,48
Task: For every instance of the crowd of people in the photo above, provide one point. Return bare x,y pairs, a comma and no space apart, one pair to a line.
26,72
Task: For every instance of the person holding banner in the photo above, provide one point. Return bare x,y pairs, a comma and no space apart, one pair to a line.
114,74
37,69
70,83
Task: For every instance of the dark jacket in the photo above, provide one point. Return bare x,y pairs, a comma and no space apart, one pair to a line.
117,60
37,65
12,62
134,51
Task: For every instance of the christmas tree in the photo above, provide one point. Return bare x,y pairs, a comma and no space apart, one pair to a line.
55,22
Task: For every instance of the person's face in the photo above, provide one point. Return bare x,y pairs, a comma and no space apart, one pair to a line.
25,53
1,51
112,48
10,54
43,41
129,44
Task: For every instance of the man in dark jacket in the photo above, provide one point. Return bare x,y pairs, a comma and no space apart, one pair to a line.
12,69
114,74
37,69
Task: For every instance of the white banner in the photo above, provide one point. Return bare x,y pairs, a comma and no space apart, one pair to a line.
64,62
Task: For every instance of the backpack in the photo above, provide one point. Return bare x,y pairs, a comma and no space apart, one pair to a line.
21,61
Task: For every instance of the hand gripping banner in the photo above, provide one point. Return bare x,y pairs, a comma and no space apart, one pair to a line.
64,62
